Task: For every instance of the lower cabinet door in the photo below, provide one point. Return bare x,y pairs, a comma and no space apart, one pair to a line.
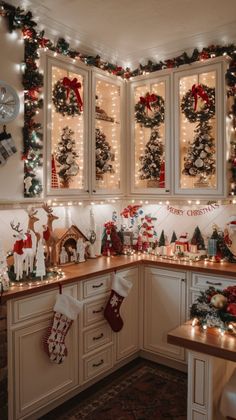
37,380
164,309
128,337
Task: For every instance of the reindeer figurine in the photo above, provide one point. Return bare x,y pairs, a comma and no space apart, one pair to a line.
18,250
31,241
49,237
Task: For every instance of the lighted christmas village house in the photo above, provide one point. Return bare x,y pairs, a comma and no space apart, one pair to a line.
66,243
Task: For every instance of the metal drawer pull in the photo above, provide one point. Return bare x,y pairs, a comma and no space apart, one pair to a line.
95,286
213,283
98,337
98,311
99,363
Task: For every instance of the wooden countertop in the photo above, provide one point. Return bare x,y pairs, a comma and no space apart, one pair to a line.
102,265
209,342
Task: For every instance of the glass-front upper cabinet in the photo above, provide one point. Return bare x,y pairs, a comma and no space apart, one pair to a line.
107,134
150,134
199,146
66,96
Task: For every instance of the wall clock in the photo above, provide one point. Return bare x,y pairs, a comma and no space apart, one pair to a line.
9,103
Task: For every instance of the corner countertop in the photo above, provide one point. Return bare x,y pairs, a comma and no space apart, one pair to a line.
102,265
208,342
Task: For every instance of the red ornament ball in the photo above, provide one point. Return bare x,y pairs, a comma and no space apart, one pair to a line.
231,309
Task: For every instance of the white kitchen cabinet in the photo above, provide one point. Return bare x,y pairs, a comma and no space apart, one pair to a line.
201,282
107,134
149,164
66,166
128,338
199,147
92,161
35,381
164,309
97,341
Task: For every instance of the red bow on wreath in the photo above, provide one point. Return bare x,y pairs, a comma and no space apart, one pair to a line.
147,100
75,86
197,90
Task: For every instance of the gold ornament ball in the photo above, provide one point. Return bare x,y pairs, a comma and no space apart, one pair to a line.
218,301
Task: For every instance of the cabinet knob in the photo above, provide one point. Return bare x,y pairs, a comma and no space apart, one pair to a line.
183,280
94,191
87,191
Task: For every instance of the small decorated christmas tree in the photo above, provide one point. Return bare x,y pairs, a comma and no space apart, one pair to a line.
173,238
66,156
200,159
104,155
162,240
197,239
152,159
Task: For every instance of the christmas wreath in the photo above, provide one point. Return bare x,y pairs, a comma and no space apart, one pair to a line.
215,308
195,110
150,110
66,97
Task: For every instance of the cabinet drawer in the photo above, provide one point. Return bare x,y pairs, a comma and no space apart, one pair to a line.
96,286
201,281
96,364
97,337
93,311
38,304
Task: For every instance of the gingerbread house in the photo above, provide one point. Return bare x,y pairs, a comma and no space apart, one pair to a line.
67,239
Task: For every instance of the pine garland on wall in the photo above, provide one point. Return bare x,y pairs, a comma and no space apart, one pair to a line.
34,40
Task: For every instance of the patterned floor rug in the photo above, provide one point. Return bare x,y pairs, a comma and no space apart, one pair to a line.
146,391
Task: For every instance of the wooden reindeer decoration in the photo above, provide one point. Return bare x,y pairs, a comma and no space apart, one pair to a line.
32,220
18,250
49,237
31,241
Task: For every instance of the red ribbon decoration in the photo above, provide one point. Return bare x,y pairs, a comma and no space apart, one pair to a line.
130,211
197,90
147,100
75,86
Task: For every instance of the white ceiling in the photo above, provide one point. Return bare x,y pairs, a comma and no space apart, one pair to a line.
132,31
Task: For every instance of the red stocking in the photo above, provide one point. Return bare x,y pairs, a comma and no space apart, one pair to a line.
66,310
120,289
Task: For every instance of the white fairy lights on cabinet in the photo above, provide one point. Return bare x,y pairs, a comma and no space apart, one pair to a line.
76,124
108,101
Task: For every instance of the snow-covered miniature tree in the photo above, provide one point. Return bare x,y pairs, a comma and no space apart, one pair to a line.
152,159
40,261
104,155
66,157
200,160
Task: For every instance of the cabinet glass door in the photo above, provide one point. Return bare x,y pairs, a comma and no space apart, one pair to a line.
150,165
107,129
199,133
67,148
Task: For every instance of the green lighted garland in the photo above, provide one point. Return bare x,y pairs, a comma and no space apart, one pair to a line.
34,40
